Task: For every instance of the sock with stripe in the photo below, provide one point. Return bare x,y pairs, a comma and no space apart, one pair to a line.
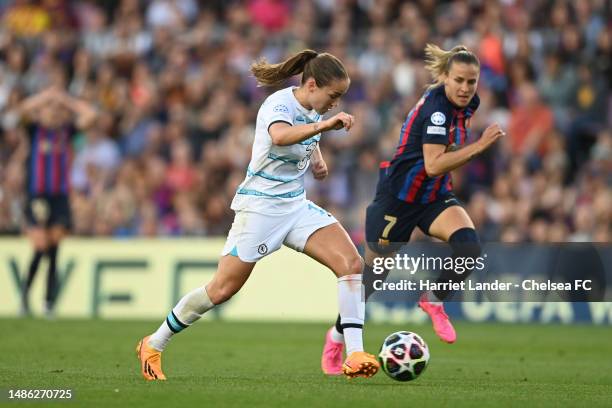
187,311
352,311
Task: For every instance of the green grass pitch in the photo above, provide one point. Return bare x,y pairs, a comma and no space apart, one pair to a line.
225,364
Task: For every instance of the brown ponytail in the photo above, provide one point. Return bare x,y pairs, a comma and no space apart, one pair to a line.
324,68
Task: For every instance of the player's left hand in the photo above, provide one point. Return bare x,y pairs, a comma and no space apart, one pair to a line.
319,169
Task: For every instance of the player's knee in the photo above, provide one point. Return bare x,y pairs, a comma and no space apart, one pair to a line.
357,265
352,265
41,248
39,242
465,243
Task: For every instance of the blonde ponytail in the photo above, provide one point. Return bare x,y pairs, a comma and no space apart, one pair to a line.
439,61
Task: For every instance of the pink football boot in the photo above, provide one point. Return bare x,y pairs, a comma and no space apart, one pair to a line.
441,324
331,360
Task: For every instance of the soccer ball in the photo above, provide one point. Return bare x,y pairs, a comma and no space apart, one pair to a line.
403,356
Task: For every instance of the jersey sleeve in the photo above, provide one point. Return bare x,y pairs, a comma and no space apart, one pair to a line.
436,123
276,110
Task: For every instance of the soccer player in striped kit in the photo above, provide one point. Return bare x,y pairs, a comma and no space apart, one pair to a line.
415,187
51,118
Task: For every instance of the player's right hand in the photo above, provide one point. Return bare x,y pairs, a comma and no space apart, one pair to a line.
490,135
338,121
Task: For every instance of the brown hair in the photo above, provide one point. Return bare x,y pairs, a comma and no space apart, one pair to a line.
439,61
324,68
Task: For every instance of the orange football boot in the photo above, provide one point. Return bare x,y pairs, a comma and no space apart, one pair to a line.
150,361
360,364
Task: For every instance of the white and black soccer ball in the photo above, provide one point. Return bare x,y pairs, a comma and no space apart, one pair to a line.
403,356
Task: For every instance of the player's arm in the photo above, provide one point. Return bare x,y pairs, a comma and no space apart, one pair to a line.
284,134
23,147
317,156
85,113
31,104
318,165
438,161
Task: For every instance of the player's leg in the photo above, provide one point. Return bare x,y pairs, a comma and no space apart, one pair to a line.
37,214
454,226
39,239
332,247
231,275
56,234
60,221
388,224
345,263
249,235
335,335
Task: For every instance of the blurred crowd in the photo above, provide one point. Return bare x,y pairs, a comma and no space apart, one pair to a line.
177,105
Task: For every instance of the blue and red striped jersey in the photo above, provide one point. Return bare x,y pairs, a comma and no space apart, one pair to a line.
49,161
435,120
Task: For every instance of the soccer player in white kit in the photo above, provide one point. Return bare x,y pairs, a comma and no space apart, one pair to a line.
271,208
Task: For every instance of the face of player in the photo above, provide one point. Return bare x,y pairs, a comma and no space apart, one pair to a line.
460,83
53,115
325,98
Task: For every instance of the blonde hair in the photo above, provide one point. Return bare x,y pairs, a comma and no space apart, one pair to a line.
439,61
323,67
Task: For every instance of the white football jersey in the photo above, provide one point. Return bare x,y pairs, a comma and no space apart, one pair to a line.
274,181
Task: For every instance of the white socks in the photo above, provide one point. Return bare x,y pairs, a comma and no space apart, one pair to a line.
194,304
336,335
189,309
352,311
432,298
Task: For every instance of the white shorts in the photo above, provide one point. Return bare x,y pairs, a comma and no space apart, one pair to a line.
254,235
